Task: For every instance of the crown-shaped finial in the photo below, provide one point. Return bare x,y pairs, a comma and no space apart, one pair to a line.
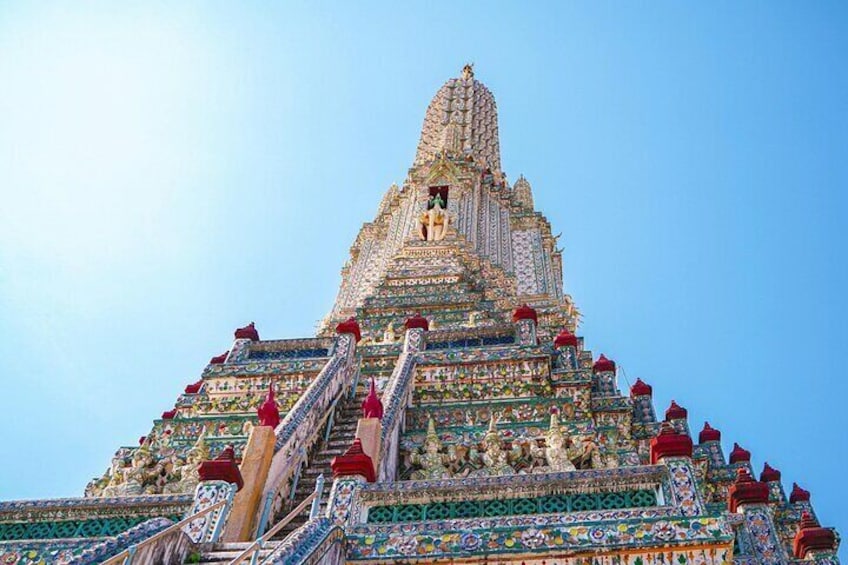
468,71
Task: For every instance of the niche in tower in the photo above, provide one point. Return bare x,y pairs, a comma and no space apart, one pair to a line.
442,191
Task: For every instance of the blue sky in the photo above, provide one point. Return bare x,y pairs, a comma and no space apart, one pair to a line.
169,173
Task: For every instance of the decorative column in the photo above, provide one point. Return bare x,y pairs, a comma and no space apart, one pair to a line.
643,405
220,479
741,457
674,450
677,416
255,464
416,327
750,498
603,377
709,440
525,320
565,343
771,477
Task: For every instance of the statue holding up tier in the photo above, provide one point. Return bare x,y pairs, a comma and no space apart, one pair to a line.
495,458
431,461
556,450
433,223
389,335
187,474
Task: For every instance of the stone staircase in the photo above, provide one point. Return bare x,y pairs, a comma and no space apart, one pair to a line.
226,552
341,437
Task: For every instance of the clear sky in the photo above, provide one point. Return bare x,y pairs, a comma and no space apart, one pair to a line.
169,173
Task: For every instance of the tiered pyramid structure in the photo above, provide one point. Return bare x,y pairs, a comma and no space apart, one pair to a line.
445,412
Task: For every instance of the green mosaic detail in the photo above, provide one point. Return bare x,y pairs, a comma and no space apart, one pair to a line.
549,504
93,528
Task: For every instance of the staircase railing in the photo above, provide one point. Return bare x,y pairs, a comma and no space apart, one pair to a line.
299,430
126,556
254,548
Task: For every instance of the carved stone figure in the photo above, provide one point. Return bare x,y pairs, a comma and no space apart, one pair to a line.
556,449
433,223
187,475
432,462
495,458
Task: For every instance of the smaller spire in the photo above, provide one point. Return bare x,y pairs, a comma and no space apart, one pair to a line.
812,537
798,494
603,365
739,454
769,474
675,412
709,433
565,338
640,388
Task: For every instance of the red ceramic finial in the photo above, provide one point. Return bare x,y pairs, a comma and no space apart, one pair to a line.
354,461
670,443
769,474
812,537
525,312
675,412
603,365
222,468
739,455
350,326
219,359
798,494
709,433
746,490
417,321
169,414
639,388
565,338
194,388
371,406
269,414
247,332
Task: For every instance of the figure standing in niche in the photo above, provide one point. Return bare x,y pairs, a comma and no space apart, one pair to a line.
433,223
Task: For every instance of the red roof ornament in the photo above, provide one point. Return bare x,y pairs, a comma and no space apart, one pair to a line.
354,462
746,490
169,414
141,439
798,494
417,321
709,433
350,326
524,312
639,388
222,468
739,454
219,359
269,414
371,406
675,412
603,365
247,332
769,474
565,339
812,537
670,443
194,388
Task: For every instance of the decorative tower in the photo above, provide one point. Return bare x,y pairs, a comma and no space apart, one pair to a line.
451,402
